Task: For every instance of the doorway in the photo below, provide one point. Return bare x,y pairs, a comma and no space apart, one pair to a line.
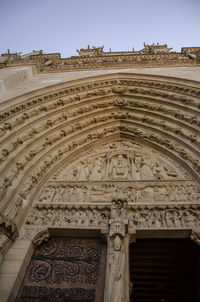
164,270
66,270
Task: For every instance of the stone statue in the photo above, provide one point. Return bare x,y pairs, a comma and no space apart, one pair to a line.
4,155
3,240
13,213
116,270
119,209
120,168
40,237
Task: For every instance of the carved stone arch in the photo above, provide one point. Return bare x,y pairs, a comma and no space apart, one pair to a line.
123,94
117,148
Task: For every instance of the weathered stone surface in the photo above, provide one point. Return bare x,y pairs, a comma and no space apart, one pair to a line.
112,152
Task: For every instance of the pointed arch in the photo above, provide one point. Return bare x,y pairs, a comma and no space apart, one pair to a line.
45,128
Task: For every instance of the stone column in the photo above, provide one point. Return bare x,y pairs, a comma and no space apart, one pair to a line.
16,260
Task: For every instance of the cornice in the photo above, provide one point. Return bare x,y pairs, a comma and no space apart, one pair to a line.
95,58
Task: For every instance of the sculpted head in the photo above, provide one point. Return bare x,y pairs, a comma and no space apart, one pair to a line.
120,158
117,242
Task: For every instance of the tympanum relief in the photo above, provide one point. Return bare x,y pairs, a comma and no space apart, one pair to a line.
117,166
120,169
82,193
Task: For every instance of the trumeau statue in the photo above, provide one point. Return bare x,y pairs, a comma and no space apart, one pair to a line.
117,256
116,270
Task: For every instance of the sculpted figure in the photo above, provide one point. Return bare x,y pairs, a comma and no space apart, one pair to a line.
32,217
16,208
116,271
135,219
120,168
124,209
74,173
48,124
59,194
16,143
66,217
197,220
41,217
2,132
83,221
96,172
144,222
95,220
81,194
30,155
153,219
58,217
114,210
169,218
3,240
42,236
189,218
177,219
50,216
4,155
33,132
130,194
145,170
47,194
4,186
103,219
73,217
82,175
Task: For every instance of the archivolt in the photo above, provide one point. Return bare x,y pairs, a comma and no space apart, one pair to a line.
40,133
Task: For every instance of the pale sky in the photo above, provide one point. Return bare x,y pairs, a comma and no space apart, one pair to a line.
65,25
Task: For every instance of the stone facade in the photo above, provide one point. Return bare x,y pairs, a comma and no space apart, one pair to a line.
114,155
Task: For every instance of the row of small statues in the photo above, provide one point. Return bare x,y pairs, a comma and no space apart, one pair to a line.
100,86
165,219
68,217
76,193
119,166
168,218
8,126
